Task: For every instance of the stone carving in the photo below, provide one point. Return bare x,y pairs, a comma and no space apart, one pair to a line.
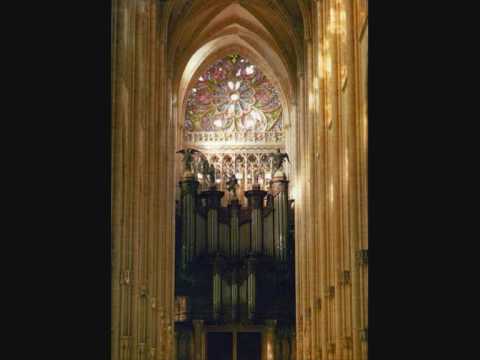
203,166
232,183
278,159
211,175
188,159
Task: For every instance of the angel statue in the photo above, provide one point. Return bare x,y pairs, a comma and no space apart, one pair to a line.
277,162
188,159
232,183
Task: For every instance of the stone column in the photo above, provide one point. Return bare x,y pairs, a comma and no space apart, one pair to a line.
213,203
189,188
280,206
268,340
255,201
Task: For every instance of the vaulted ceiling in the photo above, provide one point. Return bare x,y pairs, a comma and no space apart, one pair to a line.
272,29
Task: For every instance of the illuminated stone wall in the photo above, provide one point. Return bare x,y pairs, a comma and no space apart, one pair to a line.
318,61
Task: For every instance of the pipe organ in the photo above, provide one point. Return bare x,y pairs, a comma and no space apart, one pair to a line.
234,267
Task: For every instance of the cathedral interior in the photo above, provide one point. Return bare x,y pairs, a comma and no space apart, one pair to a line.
239,180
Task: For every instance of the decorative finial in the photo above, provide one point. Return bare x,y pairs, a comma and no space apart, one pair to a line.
278,159
232,183
188,160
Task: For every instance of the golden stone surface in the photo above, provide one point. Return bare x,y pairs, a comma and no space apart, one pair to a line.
157,49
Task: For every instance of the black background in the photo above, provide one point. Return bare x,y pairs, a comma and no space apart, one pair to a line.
56,165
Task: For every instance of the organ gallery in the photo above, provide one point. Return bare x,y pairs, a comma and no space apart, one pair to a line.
239,180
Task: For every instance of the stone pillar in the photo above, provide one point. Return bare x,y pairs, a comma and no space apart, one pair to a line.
189,188
255,201
213,203
280,205
198,337
268,340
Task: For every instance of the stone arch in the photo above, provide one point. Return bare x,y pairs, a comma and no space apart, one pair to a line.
197,66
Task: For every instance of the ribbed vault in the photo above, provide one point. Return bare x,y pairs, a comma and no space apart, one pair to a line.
315,53
269,34
193,23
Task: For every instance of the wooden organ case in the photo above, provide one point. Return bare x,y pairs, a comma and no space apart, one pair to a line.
234,273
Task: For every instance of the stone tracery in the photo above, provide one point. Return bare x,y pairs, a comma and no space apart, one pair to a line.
234,99
156,43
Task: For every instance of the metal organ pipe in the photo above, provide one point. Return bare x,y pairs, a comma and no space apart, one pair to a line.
255,200
280,206
213,203
235,250
188,210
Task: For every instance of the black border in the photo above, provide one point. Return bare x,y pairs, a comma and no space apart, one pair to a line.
60,73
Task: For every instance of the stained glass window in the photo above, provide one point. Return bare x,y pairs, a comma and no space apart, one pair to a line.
234,97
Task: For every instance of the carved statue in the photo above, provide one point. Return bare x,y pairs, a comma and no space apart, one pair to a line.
204,166
211,174
232,183
188,158
277,161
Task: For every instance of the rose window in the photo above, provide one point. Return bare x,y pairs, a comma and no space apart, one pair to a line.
233,95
